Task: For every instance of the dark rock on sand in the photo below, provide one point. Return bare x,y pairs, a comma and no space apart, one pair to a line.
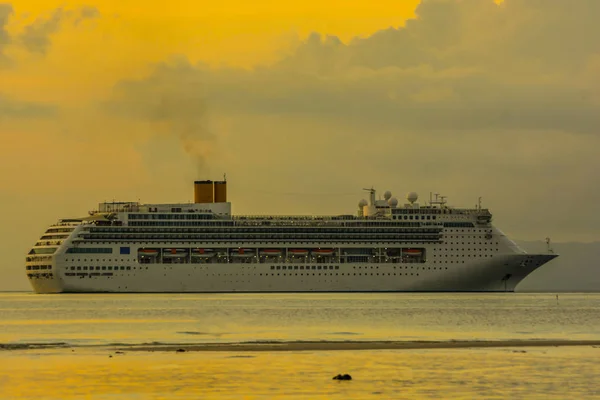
340,377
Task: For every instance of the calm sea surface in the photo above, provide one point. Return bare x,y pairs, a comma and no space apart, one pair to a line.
91,325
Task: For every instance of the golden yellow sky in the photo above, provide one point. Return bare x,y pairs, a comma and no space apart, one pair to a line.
131,34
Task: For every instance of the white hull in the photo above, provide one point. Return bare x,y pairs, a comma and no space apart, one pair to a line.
500,274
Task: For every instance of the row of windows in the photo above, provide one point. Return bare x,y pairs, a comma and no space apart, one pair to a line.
459,225
38,258
49,243
281,237
43,250
86,274
271,230
53,230
269,223
270,227
38,275
419,217
38,267
193,216
105,268
54,237
421,211
88,250
326,274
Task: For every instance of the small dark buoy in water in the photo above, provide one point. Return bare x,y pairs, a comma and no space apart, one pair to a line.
119,352
340,377
110,356
180,351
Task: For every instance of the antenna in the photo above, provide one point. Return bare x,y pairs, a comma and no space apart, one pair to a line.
479,204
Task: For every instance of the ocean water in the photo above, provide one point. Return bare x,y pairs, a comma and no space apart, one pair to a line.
88,346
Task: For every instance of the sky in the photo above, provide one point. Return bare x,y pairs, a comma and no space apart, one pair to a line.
302,106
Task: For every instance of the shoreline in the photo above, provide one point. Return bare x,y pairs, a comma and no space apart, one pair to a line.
308,345
358,345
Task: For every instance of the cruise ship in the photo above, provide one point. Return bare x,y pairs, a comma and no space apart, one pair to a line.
131,247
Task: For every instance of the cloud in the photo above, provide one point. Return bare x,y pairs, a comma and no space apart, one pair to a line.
461,65
6,11
36,36
87,12
11,108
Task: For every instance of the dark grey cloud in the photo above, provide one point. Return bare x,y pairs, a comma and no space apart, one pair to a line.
12,108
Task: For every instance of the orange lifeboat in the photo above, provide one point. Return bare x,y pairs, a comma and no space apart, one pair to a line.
148,252
174,252
323,252
203,252
412,252
270,252
241,252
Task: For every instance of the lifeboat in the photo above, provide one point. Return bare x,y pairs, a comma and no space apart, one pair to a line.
174,252
322,252
412,252
270,252
242,253
203,253
148,252
298,252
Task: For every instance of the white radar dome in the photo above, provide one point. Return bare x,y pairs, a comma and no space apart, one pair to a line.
412,197
387,195
362,203
393,202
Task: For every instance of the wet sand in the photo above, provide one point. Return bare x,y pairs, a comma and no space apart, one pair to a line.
356,345
310,345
